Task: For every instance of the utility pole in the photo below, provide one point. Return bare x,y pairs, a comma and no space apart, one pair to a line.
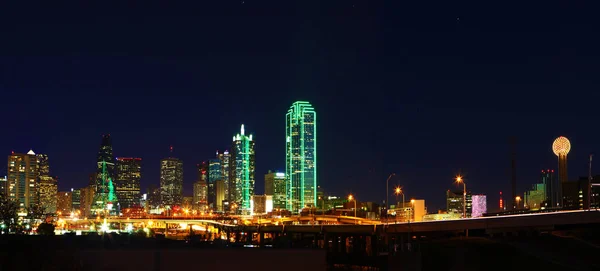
590,184
513,142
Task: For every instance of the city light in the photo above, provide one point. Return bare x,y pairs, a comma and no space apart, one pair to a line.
561,146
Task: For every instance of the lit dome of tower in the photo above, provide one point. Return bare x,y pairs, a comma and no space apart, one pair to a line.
561,146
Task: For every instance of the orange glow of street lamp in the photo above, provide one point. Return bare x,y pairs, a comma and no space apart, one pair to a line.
398,190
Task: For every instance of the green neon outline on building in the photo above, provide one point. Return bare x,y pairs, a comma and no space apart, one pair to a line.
243,177
301,156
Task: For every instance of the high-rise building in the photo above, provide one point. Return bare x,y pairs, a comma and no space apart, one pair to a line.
171,181
76,200
154,199
261,204
86,201
301,156
3,186
454,202
214,174
64,203
22,179
47,185
275,186
220,195
43,165
200,201
241,177
552,189
224,159
105,198
479,205
48,190
129,174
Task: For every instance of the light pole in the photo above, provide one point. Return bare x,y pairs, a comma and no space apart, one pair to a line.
387,192
351,198
399,191
459,179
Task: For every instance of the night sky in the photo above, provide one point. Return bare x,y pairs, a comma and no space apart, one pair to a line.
423,91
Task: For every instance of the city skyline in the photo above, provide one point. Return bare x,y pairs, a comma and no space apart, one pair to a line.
441,99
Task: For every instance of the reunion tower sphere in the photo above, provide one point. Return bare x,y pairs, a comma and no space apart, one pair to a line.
561,146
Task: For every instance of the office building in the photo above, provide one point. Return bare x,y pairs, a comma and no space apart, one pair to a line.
220,195
21,183
261,204
48,189
76,200
454,202
129,175
552,197
224,159
275,186
479,205
64,203
86,201
105,197
200,197
154,199
301,156
412,211
3,186
535,199
171,182
241,177
214,174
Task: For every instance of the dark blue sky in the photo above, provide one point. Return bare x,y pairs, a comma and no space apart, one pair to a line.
426,93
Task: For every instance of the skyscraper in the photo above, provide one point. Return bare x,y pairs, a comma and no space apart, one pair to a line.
105,199
171,181
241,178
552,190
275,186
204,193
129,174
22,179
224,159
47,185
214,174
301,156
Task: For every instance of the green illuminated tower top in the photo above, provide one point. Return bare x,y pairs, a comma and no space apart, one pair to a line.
301,156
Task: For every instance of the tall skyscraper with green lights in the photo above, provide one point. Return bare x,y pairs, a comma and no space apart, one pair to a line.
301,156
241,176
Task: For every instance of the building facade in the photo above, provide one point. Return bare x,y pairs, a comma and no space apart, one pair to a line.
275,186
454,202
261,204
200,196
214,174
220,195
224,159
21,182
64,203
552,188
301,156
479,205
48,189
171,181
105,197
128,178
241,177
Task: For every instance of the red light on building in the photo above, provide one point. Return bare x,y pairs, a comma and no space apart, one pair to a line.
501,201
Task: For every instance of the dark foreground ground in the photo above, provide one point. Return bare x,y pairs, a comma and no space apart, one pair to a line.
127,253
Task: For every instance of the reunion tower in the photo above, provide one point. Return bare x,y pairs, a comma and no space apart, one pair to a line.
561,148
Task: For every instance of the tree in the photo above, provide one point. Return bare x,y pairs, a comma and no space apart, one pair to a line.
35,212
8,213
46,229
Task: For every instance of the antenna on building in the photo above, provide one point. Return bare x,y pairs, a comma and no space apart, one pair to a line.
513,163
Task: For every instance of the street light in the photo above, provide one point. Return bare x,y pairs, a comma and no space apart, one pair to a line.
459,179
399,191
518,199
351,198
387,192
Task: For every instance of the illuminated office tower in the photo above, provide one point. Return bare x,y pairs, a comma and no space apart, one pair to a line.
200,195
301,156
171,181
105,198
21,183
214,174
47,185
275,186
479,206
129,175
224,159
241,176
203,191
